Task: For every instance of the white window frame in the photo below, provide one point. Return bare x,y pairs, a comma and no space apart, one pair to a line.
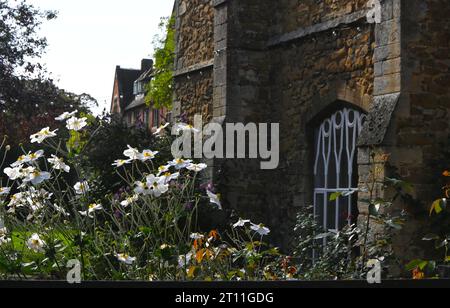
335,141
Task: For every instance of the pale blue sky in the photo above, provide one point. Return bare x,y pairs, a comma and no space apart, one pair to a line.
90,37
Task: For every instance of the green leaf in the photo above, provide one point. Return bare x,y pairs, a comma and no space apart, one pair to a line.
438,206
335,196
422,265
414,264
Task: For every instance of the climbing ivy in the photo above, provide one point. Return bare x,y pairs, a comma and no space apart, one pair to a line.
160,90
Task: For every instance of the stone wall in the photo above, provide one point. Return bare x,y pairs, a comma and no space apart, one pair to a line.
195,32
243,93
309,77
420,134
291,62
194,91
194,55
293,14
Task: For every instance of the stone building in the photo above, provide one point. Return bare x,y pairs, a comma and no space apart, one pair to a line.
128,98
339,86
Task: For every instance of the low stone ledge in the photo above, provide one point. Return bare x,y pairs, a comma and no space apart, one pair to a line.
194,68
321,27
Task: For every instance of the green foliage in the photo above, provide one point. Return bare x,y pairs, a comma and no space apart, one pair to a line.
343,255
108,137
148,230
160,88
439,213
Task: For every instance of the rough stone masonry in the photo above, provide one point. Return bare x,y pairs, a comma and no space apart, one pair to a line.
294,61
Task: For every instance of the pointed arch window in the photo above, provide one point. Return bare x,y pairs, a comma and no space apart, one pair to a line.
335,168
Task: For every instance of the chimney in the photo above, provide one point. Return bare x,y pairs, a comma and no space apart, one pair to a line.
146,64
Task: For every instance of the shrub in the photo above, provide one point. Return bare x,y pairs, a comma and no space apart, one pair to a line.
52,213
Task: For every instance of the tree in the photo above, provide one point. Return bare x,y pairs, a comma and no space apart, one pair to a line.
29,99
160,89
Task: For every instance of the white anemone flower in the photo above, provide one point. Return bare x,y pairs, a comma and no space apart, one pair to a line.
37,177
147,155
157,185
260,229
120,162
61,210
3,231
81,188
184,260
142,189
183,127
131,153
66,115
197,236
32,157
160,129
20,161
163,169
197,167
4,191
58,164
4,240
125,258
13,173
76,124
36,244
29,158
40,136
130,200
16,199
169,177
180,163
91,210
241,223
214,199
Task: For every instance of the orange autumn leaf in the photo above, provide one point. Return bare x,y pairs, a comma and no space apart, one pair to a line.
199,256
214,234
197,244
385,157
191,271
208,254
418,274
